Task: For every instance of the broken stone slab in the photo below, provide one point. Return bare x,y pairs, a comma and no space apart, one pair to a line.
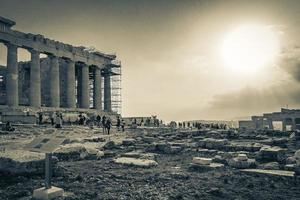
110,145
270,166
137,154
136,162
241,164
76,152
211,143
219,159
94,139
173,149
50,131
204,168
21,162
210,152
201,160
290,167
269,172
70,152
128,142
242,157
271,154
148,139
297,157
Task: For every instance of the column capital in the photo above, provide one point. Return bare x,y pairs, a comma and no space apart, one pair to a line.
10,45
68,60
33,51
52,56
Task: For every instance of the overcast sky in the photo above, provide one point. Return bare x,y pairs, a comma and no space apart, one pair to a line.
170,51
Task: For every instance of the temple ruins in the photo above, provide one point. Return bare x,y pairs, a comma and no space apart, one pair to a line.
69,78
288,119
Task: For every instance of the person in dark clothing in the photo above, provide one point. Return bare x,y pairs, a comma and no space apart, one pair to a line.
104,123
98,120
123,125
52,118
8,127
40,118
118,123
108,125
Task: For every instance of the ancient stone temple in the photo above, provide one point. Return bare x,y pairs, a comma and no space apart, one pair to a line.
69,78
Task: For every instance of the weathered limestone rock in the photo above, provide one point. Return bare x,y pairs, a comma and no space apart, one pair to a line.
136,162
290,160
271,154
242,157
297,157
270,172
202,161
137,154
77,152
148,139
110,145
241,164
21,161
128,142
270,166
204,168
70,152
212,143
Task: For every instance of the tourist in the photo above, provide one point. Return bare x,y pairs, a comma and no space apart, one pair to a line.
118,123
104,123
40,118
98,120
8,127
52,117
58,121
123,125
108,125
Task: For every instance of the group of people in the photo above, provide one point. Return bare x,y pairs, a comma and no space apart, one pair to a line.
56,119
106,123
199,125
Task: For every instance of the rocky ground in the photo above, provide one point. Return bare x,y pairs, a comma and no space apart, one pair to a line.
86,166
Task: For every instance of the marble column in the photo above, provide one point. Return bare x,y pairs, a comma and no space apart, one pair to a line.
107,93
293,124
97,89
12,93
54,82
35,80
284,122
71,101
85,87
270,123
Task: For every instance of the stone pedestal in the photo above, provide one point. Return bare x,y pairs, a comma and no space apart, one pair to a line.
85,87
35,80
12,96
71,102
54,82
47,194
97,89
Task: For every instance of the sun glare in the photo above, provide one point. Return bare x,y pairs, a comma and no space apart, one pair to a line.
249,48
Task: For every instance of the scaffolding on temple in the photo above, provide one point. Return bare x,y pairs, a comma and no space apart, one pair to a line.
116,94
114,71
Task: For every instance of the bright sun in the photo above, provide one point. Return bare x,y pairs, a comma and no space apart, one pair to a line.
249,48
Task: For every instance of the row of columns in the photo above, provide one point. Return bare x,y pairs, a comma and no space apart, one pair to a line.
35,82
284,123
